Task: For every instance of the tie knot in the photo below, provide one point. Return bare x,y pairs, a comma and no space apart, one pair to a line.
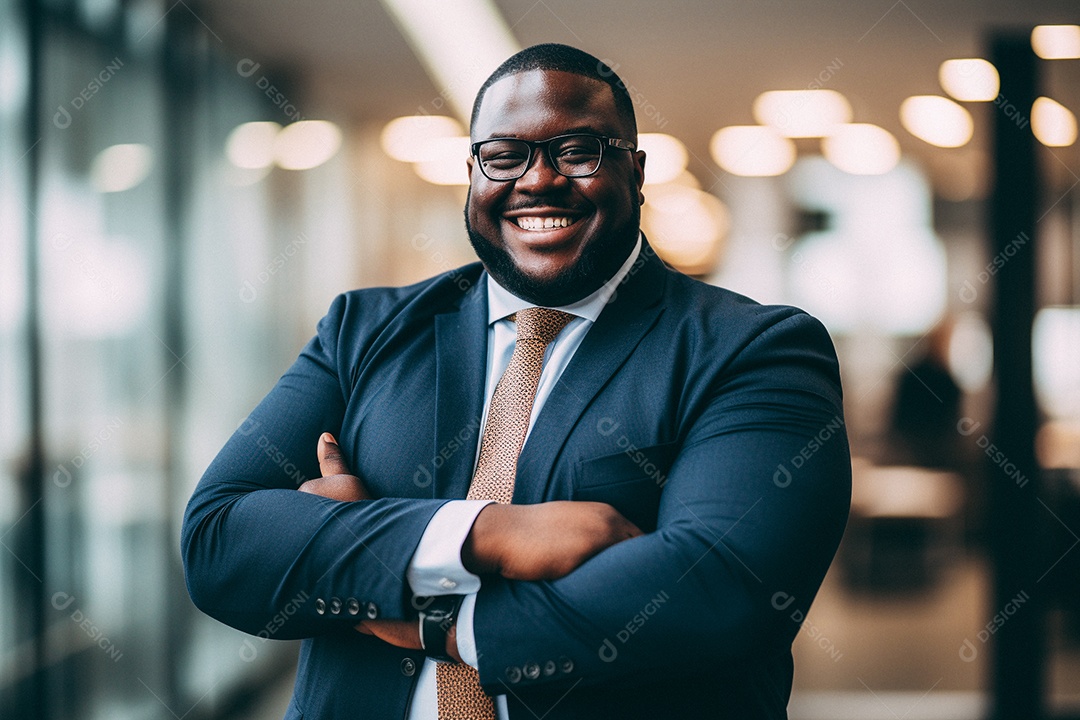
537,323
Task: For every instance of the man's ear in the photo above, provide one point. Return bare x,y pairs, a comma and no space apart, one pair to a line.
639,174
469,164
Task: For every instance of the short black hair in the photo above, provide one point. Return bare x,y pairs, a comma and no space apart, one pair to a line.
553,56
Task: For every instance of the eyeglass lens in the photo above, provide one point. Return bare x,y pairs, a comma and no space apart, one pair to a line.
574,156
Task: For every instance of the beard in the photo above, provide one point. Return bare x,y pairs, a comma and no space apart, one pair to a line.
598,262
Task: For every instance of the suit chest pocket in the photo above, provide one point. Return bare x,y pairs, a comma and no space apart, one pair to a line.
629,481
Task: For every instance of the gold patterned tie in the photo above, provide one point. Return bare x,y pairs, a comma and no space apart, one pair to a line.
460,696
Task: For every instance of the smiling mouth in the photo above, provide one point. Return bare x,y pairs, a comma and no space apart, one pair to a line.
543,223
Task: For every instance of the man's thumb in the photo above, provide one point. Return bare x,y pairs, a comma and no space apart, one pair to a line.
331,461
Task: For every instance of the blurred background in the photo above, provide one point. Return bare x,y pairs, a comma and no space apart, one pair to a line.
185,187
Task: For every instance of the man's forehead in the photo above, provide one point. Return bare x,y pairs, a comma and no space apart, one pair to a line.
537,97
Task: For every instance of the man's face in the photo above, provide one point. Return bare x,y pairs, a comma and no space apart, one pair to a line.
557,265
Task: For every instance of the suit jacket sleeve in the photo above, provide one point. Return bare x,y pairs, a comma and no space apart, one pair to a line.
266,559
750,515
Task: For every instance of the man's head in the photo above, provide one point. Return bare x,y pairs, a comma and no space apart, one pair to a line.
543,92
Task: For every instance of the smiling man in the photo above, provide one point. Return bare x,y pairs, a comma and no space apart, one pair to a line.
561,490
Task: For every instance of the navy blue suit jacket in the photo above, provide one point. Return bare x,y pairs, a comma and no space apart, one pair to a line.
711,421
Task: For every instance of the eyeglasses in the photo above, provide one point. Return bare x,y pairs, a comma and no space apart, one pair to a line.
571,155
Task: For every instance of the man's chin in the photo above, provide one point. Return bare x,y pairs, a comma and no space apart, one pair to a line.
554,286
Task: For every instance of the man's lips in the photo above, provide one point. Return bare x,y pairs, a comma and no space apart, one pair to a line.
543,223
537,219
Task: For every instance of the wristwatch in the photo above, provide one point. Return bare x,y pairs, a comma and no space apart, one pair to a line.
436,619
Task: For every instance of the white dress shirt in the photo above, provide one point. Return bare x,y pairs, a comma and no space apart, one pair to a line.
435,568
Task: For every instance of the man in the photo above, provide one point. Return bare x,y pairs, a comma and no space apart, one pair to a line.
673,509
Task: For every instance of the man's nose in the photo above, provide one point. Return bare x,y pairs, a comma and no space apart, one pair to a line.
540,174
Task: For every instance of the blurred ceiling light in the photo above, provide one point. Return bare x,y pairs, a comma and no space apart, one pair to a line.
447,163
752,150
687,179
802,113
1056,42
937,120
1055,343
306,144
251,145
459,43
409,138
861,149
242,177
667,157
969,79
1053,123
686,226
121,167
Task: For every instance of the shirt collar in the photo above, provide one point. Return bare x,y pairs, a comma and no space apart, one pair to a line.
503,303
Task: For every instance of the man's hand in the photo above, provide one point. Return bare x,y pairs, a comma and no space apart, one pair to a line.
519,542
337,483
544,541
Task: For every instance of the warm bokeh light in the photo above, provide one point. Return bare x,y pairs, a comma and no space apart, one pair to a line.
686,226
447,162
1053,124
802,113
752,150
667,157
937,120
1056,42
970,79
409,139
1055,345
971,351
861,149
121,167
251,145
306,144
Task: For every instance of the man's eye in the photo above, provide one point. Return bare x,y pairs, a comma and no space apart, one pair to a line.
504,159
578,152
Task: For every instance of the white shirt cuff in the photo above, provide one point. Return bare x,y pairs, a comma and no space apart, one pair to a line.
466,640
435,568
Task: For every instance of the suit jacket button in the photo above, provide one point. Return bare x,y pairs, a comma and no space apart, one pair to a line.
335,606
513,674
408,667
354,606
320,606
532,671
549,668
566,664
372,611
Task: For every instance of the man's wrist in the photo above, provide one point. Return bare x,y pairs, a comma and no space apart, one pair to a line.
437,627
480,553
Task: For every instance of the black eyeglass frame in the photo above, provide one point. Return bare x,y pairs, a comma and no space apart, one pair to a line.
534,145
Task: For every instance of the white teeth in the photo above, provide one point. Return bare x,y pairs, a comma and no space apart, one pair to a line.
543,223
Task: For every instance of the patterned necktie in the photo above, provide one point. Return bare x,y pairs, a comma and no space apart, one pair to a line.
460,696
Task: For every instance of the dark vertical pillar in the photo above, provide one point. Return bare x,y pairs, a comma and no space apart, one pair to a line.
180,69
1015,515
28,536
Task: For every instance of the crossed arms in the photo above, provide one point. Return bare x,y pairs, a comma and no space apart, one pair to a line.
560,578
518,542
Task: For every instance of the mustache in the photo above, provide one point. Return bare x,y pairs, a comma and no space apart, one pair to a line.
548,203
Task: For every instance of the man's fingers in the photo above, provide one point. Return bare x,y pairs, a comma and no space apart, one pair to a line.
330,460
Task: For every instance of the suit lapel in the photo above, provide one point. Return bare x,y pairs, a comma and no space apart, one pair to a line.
614,335
459,392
